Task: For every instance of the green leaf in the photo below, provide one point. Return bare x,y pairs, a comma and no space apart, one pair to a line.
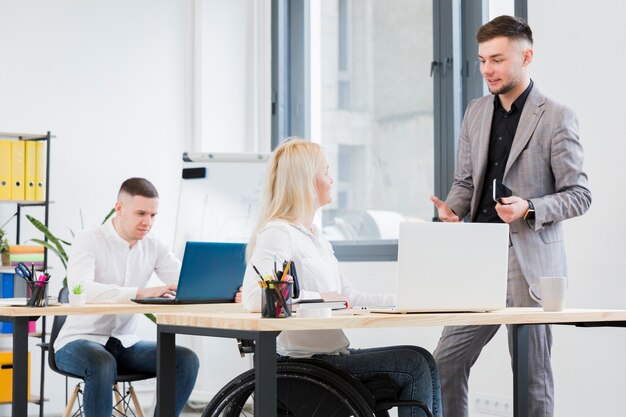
150,316
52,238
108,215
62,257
77,289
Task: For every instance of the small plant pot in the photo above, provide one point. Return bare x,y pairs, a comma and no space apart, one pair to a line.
6,260
77,300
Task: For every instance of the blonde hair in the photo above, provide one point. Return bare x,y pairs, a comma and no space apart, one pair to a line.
289,191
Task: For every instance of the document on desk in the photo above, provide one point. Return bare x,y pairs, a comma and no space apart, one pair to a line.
21,302
319,303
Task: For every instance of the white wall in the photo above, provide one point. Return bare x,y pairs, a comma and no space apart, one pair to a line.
108,78
111,80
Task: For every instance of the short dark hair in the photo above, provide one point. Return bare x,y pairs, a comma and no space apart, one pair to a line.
139,186
514,28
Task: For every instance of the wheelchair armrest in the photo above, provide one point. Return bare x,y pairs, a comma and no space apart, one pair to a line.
245,346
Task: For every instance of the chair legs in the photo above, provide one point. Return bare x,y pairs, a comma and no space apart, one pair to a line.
71,401
118,408
135,400
121,407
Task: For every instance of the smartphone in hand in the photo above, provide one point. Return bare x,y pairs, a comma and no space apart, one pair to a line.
500,191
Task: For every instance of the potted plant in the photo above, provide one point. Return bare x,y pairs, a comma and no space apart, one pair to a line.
4,249
77,296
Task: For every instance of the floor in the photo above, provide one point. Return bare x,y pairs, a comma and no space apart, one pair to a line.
193,410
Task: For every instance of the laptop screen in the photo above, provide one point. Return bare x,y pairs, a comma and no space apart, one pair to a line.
211,271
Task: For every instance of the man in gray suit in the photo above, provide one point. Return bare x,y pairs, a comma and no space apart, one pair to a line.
530,143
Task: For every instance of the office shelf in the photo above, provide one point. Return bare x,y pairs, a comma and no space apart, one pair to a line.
34,399
25,205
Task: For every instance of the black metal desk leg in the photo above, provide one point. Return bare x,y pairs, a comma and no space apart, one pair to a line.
20,366
265,375
520,370
166,373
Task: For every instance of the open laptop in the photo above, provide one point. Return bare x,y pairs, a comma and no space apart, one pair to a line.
451,267
211,272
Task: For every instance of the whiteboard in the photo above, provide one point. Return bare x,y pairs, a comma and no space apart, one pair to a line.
222,206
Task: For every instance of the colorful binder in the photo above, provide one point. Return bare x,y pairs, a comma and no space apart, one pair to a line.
6,291
26,249
30,162
40,172
5,169
17,169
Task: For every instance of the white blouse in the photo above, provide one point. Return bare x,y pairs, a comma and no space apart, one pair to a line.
318,272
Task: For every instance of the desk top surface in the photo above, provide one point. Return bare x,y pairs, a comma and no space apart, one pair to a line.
67,310
345,320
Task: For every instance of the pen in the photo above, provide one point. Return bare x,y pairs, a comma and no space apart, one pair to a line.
42,279
257,271
275,270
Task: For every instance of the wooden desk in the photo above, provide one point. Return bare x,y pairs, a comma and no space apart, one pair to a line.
264,332
20,316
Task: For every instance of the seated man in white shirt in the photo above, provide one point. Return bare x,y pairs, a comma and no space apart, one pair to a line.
114,262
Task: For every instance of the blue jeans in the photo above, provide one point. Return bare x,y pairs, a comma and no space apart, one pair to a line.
412,368
99,365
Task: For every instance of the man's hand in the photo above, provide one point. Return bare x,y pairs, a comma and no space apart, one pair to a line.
238,296
334,296
511,208
444,212
167,291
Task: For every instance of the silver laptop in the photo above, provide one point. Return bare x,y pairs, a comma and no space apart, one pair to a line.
451,267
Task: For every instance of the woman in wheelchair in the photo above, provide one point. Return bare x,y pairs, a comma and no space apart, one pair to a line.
296,186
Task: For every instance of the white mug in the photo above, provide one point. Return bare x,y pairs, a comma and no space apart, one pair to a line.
552,293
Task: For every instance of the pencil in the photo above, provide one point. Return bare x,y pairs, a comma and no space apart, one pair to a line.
286,271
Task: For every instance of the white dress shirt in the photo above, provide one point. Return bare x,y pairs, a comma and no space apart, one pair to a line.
318,272
111,272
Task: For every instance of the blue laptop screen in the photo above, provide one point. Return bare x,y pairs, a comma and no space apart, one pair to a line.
211,271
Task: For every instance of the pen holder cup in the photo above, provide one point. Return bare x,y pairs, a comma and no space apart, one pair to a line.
38,294
276,299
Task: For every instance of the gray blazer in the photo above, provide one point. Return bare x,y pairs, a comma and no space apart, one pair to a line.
545,166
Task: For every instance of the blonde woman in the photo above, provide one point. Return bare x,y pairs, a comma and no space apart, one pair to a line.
296,186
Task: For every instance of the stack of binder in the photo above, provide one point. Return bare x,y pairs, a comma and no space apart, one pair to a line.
22,170
28,254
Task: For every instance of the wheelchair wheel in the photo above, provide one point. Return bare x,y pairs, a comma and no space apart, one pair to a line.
303,390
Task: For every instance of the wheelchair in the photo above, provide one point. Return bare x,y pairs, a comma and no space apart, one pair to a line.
313,388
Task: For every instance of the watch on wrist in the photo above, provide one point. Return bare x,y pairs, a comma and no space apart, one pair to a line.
530,213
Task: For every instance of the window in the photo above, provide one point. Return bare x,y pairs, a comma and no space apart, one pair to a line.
371,109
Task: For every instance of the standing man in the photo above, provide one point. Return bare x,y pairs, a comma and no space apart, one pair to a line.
114,262
529,142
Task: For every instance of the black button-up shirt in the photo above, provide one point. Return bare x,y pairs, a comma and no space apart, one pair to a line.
503,128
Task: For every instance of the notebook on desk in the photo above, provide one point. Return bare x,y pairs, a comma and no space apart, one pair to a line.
446,267
211,272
